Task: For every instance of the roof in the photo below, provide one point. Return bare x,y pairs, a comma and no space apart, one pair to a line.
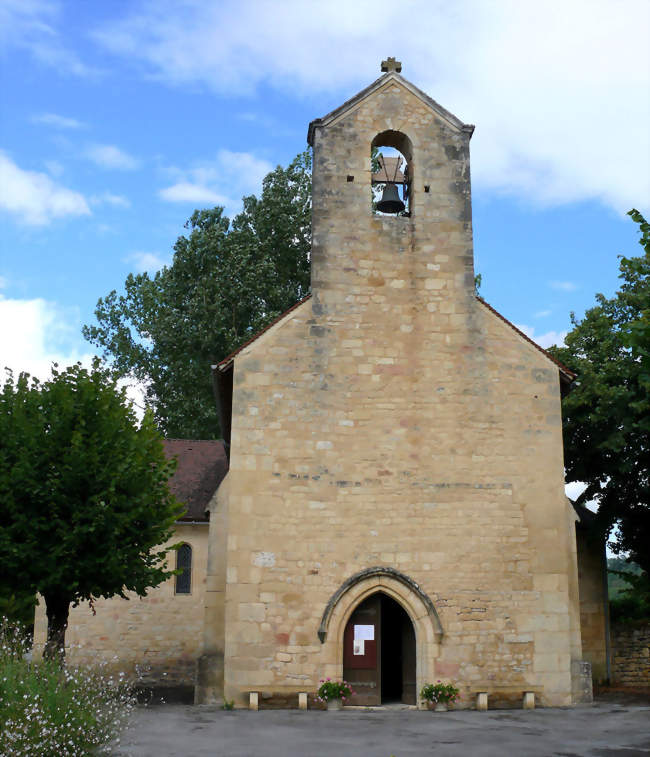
202,465
586,517
450,118
564,371
566,374
223,364
389,170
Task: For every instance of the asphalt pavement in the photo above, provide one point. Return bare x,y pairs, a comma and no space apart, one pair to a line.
598,730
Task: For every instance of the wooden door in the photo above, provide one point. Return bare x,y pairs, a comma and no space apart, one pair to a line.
362,652
408,662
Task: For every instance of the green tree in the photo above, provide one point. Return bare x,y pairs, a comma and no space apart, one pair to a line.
606,416
84,496
17,606
226,282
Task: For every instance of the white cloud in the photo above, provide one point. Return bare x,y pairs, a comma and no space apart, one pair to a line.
110,156
543,313
147,261
185,191
58,122
31,25
574,489
557,90
33,198
108,198
544,340
35,333
563,286
3,283
238,173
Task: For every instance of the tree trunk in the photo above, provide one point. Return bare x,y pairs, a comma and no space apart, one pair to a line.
57,609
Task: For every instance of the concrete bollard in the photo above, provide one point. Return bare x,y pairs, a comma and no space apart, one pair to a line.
529,700
482,700
254,701
302,700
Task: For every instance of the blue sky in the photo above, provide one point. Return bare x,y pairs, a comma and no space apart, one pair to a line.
119,118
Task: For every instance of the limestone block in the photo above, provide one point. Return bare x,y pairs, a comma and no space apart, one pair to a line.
482,701
302,700
253,701
529,700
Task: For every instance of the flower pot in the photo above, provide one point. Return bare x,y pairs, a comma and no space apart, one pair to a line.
440,707
334,705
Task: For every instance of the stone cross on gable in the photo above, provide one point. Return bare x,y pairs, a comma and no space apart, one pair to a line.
390,64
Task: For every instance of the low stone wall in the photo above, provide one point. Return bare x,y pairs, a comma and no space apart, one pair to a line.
631,653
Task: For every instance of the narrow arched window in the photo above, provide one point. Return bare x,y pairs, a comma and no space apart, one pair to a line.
184,564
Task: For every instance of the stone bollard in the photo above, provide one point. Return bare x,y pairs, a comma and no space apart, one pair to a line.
302,700
529,700
482,700
254,701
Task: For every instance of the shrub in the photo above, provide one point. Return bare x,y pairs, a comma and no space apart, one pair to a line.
439,692
46,709
333,690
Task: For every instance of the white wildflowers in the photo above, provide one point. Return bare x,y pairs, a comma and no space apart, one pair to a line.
47,710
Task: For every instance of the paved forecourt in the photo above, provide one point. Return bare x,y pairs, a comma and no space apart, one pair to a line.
600,730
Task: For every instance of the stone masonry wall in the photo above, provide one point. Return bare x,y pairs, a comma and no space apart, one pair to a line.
160,634
593,606
631,654
394,420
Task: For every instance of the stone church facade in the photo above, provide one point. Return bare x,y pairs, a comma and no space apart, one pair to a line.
394,509
396,447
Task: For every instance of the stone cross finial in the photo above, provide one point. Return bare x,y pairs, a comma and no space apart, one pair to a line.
390,64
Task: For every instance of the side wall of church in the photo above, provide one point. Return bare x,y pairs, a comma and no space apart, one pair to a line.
593,605
157,638
394,420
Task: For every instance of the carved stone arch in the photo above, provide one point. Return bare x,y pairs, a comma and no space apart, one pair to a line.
377,573
396,139
416,603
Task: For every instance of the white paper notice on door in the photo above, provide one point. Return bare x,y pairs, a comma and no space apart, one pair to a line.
358,647
364,633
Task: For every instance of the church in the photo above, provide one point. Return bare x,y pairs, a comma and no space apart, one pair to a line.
389,504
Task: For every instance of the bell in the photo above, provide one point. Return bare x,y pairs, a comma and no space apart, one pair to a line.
390,201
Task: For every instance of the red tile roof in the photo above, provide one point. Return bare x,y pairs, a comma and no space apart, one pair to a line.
201,467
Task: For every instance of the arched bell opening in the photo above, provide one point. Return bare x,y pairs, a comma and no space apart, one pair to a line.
379,652
391,173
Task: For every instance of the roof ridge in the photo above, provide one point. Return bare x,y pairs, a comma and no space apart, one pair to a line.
234,353
366,91
567,372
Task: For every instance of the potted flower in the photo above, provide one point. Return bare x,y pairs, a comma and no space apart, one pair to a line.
439,694
333,693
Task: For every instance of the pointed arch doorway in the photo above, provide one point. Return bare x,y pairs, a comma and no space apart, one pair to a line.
379,658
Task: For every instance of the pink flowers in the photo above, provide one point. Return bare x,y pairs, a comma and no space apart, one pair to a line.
334,690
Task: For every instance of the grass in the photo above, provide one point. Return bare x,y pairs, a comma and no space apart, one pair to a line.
49,710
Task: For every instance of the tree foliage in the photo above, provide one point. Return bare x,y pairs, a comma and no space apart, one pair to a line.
629,598
226,282
607,415
84,496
